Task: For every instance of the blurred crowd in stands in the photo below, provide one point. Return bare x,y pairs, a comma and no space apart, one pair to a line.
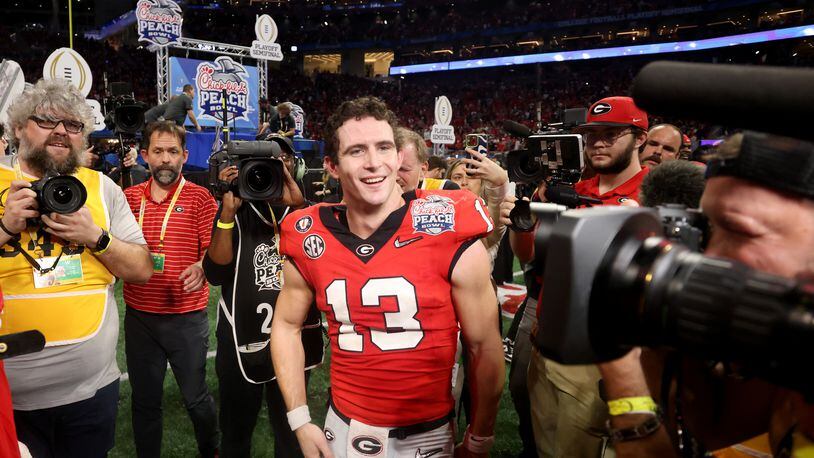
481,100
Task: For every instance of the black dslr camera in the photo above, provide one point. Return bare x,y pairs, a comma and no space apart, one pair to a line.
59,194
260,169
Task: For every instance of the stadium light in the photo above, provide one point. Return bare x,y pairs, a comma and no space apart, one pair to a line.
620,51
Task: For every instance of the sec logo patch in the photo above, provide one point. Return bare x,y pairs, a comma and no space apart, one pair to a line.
313,246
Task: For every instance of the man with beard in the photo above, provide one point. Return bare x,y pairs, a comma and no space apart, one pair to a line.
568,414
58,272
663,144
166,318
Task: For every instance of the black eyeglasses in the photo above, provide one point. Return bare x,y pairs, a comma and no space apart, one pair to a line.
73,127
607,137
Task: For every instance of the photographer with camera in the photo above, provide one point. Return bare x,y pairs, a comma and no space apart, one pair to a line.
728,405
244,258
58,275
566,409
166,319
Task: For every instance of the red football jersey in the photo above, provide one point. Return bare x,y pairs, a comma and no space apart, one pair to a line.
392,325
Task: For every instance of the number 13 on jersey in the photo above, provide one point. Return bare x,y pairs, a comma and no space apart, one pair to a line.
402,330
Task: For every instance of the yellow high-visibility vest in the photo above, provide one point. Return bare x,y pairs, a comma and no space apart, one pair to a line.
65,314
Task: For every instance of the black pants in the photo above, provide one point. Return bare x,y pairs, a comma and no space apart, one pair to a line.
504,262
240,403
151,340
84,429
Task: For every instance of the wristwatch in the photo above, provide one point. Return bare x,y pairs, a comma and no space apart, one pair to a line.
103,242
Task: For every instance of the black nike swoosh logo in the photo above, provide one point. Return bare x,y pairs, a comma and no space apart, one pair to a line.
402,243
435,451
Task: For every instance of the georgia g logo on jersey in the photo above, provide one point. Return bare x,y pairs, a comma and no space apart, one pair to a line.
313,246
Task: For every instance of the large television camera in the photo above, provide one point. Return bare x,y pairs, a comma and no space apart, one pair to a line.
259,165
552,155
615,280
124,115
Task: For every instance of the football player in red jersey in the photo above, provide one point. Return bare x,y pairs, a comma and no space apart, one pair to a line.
397,276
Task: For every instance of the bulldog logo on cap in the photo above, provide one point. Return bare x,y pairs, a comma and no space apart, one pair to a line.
601,108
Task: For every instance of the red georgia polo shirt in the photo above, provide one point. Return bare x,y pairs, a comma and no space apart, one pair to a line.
185,242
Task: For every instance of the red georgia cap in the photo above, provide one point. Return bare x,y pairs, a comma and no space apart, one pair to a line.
616,111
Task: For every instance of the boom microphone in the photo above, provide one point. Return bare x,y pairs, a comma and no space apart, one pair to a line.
516,129
776,100
673,182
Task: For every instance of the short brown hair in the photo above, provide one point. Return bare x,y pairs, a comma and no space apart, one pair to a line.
362,107
167,127
406,136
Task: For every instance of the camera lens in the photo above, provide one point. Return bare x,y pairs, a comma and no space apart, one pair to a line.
61,194
259,178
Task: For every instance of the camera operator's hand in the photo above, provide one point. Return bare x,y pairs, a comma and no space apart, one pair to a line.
21,204
230,202
506,208
486,169
77,227
130,158
292,195
193,277
89,157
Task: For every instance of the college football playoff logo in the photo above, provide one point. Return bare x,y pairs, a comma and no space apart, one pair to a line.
303,224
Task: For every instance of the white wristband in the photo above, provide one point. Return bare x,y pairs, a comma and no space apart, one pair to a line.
478,444
298,417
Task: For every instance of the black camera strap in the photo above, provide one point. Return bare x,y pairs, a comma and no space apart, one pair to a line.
15,243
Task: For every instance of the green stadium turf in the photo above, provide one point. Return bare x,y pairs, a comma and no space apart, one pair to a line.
179,439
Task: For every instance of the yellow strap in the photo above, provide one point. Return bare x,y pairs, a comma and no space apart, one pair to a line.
222,225
640,404
166,216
